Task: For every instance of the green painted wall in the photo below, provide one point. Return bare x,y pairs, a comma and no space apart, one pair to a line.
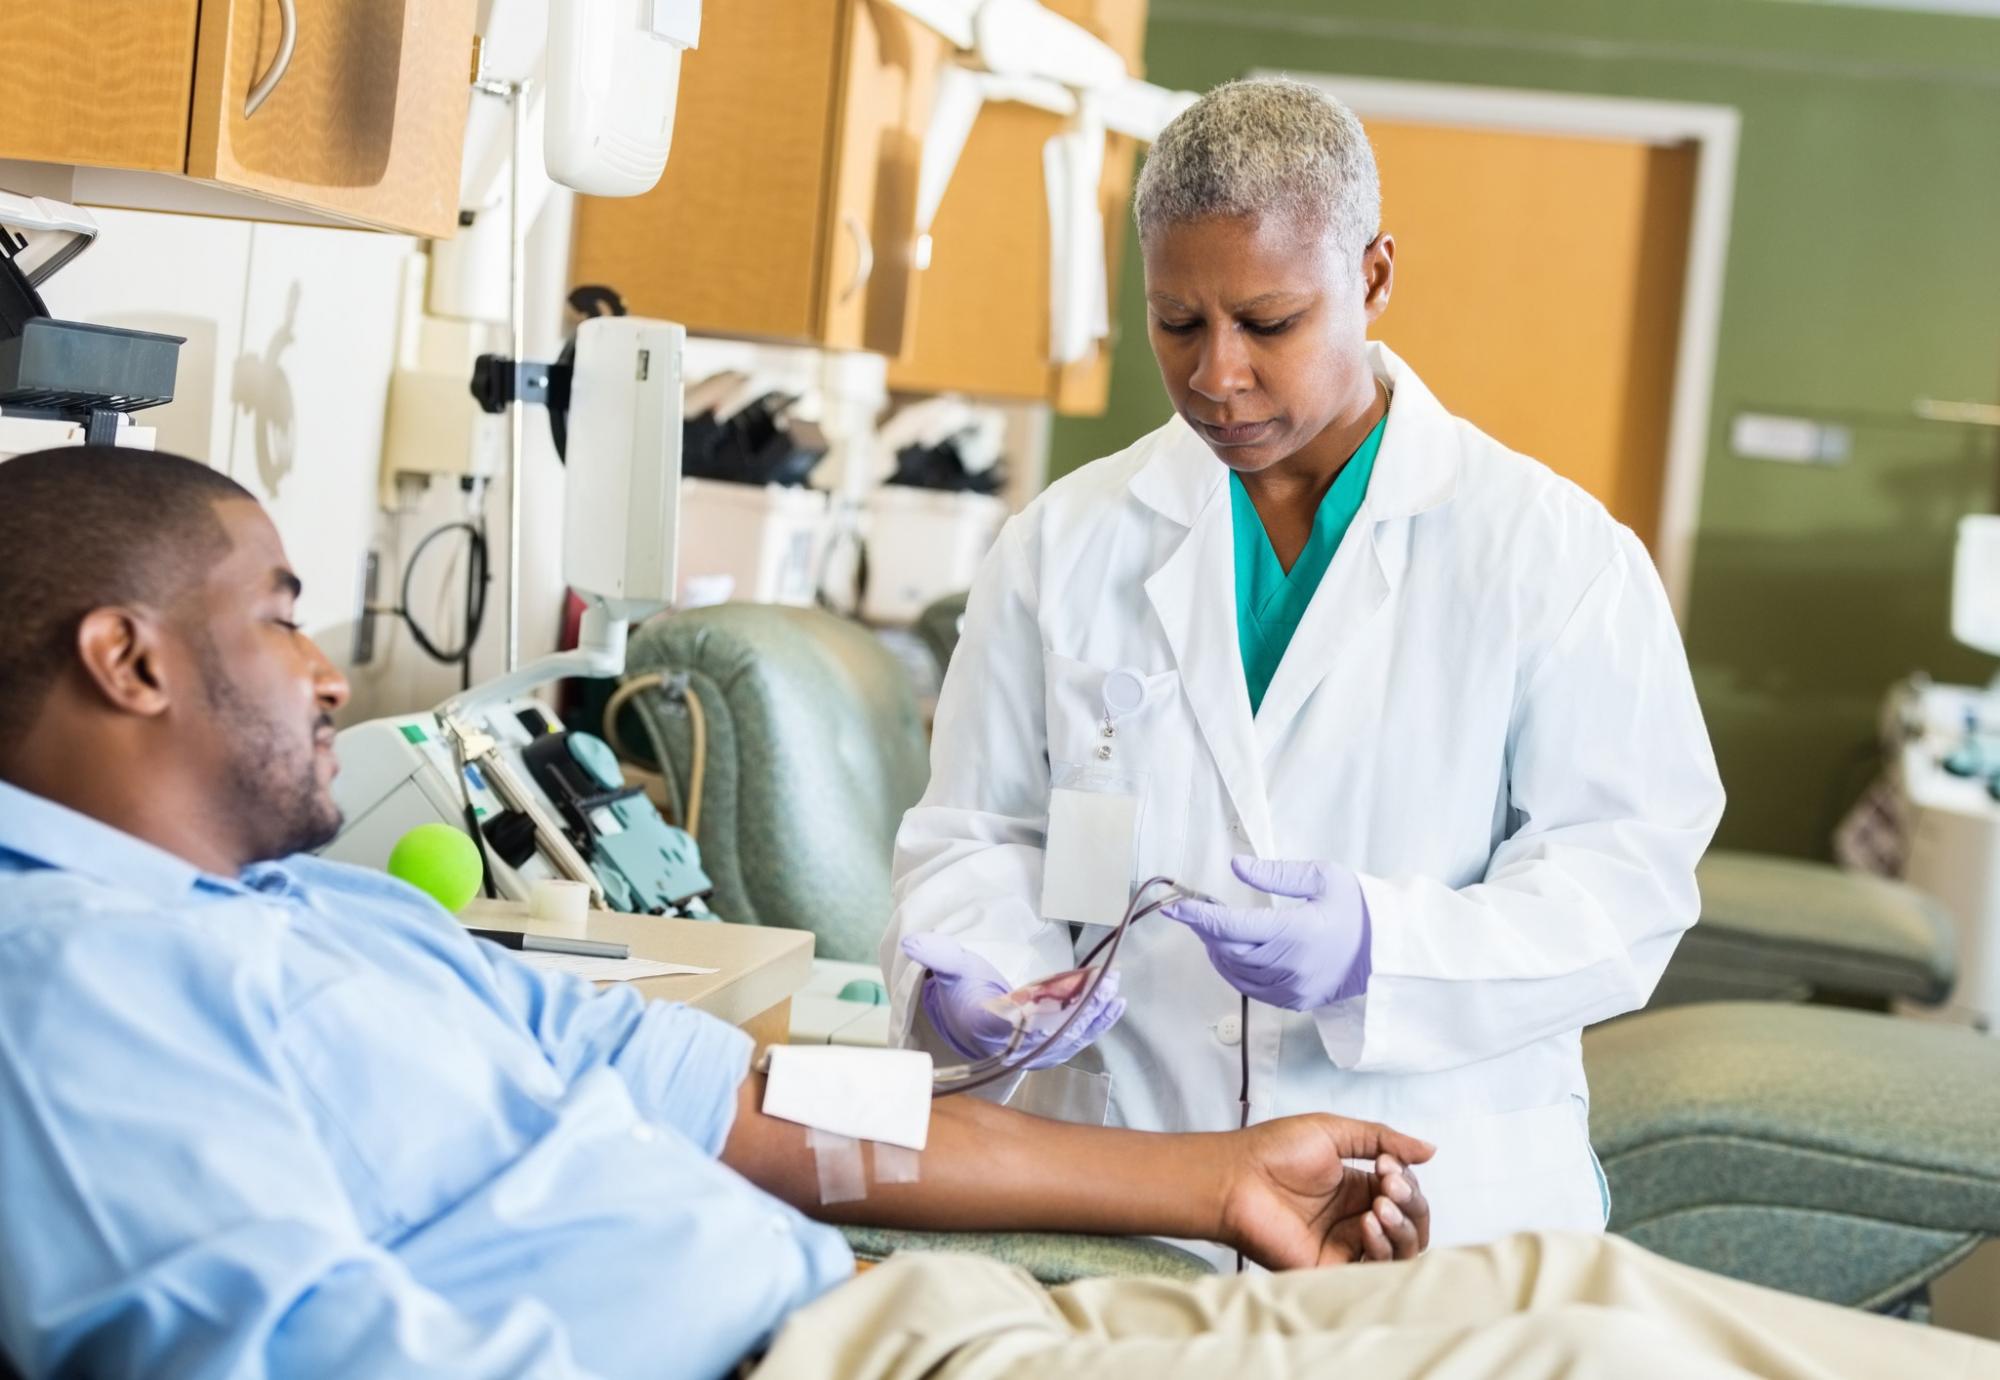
1863,272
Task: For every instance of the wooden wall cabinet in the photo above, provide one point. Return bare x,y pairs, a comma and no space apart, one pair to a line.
982,318
788,207
365,125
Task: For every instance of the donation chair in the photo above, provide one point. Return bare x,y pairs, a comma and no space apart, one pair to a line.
1783,929
1838,1154
1844,1155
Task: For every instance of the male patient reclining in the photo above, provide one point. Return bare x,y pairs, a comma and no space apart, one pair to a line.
266,1115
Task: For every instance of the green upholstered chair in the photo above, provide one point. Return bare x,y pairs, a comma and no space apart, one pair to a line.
814,749
1782,929
1844,1155
1051,1257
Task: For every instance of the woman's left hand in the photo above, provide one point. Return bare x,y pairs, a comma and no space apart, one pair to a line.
1298,957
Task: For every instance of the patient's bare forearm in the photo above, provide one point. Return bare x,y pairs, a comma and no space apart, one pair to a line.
986,1168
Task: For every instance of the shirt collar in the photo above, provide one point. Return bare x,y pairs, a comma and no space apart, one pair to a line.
55,835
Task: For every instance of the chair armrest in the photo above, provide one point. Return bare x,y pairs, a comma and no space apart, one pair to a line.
1051,1257
1839,1154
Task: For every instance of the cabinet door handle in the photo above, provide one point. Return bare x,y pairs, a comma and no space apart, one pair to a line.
287,39
864,256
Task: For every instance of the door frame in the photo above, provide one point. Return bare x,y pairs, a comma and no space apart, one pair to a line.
1713,130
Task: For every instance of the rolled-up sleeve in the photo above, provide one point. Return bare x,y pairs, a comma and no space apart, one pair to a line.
683,1066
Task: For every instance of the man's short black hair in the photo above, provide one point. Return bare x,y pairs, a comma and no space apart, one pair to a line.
83,527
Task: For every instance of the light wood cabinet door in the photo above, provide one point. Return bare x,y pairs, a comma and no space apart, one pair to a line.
982,317
889,76
367,119
104,84
789,201
366,123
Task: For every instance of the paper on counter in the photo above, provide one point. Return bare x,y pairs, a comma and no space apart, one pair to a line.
868,1094
605,969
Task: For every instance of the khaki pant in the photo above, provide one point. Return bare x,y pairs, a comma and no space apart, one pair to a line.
1554,1305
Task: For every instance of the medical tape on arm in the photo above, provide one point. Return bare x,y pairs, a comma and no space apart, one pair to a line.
896,1164
843,1096
842,1170
837,1161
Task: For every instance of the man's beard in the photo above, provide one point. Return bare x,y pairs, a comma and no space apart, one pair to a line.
273,795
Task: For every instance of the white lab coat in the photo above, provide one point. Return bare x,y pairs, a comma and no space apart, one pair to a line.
1486,712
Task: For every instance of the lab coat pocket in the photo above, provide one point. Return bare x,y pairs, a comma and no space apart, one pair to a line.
1143,754
1510,1172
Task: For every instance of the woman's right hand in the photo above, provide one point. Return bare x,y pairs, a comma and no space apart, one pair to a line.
960,986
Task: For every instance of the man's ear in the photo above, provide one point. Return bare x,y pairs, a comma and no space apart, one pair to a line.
1378,275
122,653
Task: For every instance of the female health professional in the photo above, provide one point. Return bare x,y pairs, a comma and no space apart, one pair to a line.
1410,706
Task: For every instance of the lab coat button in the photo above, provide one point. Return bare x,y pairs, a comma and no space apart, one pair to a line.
1229,1030
644,1134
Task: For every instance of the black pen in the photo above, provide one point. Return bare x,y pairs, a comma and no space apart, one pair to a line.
554,944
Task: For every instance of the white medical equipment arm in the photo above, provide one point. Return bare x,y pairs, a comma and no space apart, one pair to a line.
42,234
1018,50
594,85
599,653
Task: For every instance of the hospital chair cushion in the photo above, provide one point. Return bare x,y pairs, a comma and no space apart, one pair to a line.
1843,1155
815,749
1051,1257
1779,928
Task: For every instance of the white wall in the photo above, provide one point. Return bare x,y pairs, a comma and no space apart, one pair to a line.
291,338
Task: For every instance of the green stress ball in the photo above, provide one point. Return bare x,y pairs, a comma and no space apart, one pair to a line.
439,861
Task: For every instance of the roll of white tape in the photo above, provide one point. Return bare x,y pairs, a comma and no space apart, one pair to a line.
559,900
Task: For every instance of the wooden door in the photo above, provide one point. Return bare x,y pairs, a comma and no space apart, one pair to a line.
104,83
368,119
1538,293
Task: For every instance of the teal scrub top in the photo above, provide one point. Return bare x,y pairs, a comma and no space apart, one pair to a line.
1271,600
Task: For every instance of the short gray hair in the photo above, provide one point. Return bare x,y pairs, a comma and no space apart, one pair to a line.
1265,147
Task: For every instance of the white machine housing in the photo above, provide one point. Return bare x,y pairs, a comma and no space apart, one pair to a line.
399,772
1975,583
614,70
621,522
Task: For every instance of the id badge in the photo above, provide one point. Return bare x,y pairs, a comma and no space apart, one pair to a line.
1092,841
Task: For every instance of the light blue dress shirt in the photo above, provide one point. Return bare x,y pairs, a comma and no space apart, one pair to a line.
301,1124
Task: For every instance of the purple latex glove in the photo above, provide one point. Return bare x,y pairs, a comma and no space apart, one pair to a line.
1297,957
961,983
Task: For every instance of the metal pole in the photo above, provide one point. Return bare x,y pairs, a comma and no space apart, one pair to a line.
517,248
